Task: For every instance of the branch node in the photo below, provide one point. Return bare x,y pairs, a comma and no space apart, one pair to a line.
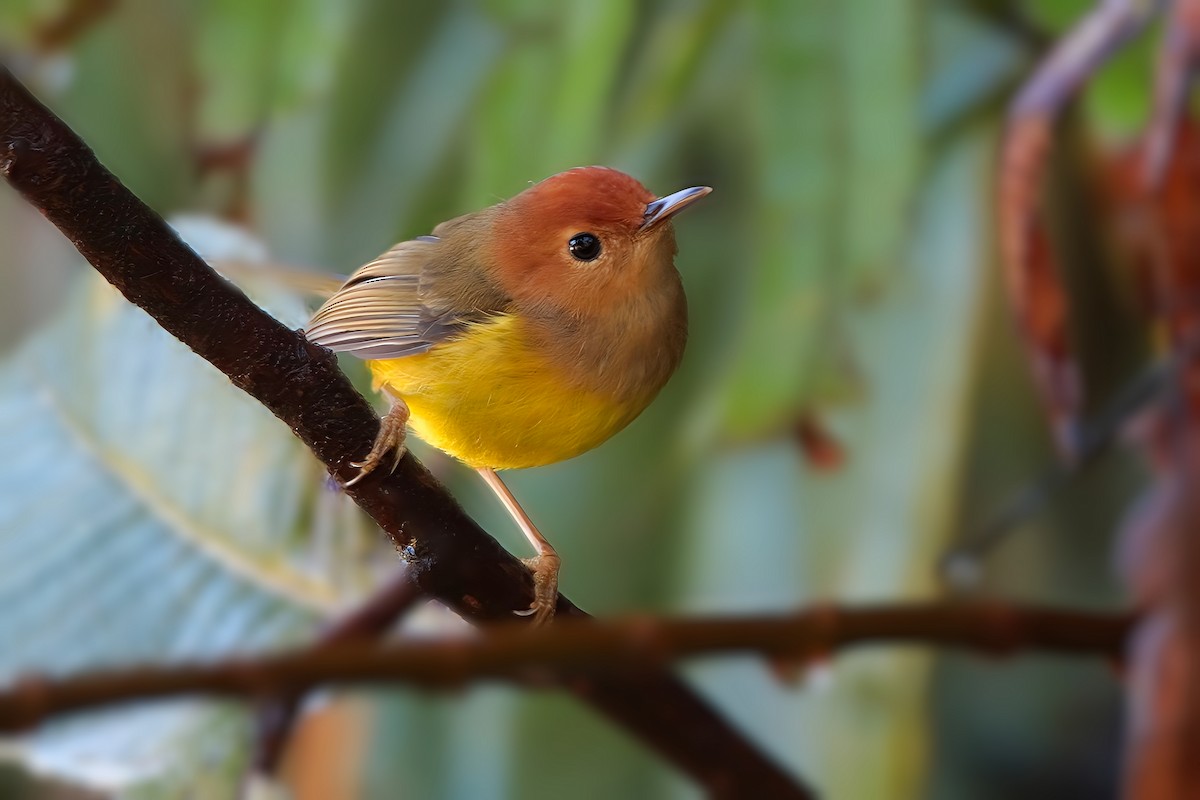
31,705
13,151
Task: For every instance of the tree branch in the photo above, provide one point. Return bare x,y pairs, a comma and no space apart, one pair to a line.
452,559
581,649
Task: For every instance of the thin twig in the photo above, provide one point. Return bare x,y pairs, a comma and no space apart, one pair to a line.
368,622
1095,440
451,557
581,649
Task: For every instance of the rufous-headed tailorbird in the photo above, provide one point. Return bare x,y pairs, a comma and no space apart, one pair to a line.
523,334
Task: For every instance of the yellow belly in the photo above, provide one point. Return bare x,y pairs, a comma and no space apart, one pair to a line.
490,400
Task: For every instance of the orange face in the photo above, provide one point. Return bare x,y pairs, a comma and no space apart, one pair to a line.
585,239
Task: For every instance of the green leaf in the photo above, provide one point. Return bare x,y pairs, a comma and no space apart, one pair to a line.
834,99
155,512
665,66
878,65
414,135
257,60
769,534
547,105
384,44
128,99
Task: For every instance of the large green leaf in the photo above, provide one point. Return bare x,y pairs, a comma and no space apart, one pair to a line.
838,79
258,60
547,106
154,512
770,534
414,129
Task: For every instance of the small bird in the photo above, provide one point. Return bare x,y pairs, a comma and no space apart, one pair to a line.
523,334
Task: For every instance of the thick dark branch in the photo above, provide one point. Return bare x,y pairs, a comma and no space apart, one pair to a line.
580,648
451,557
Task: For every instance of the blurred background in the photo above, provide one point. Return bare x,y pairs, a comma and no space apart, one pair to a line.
853,400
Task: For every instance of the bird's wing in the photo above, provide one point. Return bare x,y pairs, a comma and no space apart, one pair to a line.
402,303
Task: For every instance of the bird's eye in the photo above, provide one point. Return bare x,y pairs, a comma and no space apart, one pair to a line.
584,247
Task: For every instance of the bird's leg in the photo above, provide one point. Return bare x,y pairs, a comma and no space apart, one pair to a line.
544,565
389,439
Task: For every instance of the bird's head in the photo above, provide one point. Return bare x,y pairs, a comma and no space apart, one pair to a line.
585,239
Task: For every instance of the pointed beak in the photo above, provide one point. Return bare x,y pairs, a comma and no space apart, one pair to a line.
666,207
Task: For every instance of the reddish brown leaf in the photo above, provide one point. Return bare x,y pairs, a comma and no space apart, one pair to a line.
1035,288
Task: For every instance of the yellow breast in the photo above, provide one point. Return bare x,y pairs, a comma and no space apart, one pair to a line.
489,399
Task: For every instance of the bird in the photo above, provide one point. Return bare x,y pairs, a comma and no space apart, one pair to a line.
522,334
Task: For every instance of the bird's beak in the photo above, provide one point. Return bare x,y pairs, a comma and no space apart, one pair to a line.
666,207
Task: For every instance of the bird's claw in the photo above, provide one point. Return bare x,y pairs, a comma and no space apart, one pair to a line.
367,465
545,588
390,438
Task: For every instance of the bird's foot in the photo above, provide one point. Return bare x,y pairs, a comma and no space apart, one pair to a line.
545,587
390,439
544,566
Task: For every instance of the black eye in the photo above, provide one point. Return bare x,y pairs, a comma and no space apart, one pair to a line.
584,246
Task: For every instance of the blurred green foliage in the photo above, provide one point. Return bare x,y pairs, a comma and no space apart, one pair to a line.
844,266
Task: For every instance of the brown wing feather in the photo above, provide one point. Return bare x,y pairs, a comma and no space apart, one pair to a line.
412,297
